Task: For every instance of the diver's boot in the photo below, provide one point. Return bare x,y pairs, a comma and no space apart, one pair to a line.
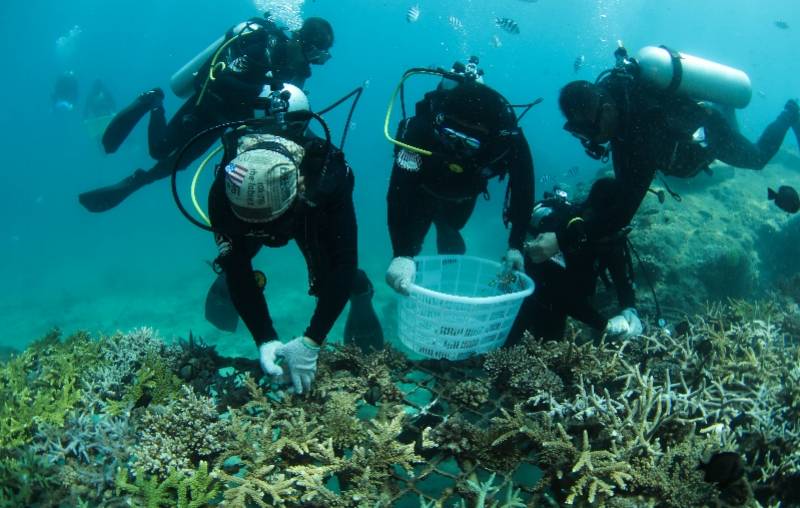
362,327
106,198
123,122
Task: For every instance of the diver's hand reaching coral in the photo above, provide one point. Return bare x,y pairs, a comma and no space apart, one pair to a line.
267,357
513,261
300,355
617,325
542,248
401,274
634,323
627,324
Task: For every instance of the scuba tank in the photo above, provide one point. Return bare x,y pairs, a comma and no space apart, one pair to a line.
694,77
182,82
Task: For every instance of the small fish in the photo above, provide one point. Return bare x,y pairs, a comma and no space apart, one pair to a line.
496,42
412,15
507,24
782,25
572,172
546,179
786,198
578,63
762,94
455,23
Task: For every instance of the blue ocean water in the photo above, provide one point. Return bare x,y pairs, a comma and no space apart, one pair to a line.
143,264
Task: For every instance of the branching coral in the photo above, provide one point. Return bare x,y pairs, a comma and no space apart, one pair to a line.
637,423
176,437
598,473
41,386
524,374
187,489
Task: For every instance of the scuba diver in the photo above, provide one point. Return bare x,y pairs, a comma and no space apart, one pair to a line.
566,283
65,92
223,82
99,109
646,114
278,182
462,134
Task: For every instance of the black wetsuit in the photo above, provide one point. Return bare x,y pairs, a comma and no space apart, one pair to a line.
324,232
229,97
655,134
565,289
442,189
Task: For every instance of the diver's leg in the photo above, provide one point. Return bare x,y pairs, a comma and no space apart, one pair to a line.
450,219
796,129
731,147
165,138
123,122
106,198
362,327
409,213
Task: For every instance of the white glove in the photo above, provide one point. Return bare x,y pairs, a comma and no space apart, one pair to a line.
401,273
300,355
626,324
634,324
267,357
617,325
513,261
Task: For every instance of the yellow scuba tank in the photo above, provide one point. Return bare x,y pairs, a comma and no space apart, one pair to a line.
695,77
182,82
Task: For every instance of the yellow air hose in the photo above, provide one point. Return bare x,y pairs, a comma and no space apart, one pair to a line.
196,178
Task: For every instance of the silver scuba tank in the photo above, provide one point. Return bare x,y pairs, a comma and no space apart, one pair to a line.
182,81
693,76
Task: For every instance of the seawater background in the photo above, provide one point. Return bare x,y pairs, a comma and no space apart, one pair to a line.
143,264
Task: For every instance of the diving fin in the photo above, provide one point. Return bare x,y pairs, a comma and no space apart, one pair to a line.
362,327
123,122
106,198
220,311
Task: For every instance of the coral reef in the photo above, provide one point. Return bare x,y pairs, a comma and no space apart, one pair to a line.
703,413
722,240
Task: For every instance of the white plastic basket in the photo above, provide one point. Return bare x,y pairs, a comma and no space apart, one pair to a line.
456,309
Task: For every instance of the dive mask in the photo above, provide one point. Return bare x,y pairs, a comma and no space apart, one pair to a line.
316,55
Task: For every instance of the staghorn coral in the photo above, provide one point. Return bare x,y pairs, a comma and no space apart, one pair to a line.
27,479
629,425
342,426
41,386
90,447
260,485
370,465
184,489
121,356
598,473
370,375
176,437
